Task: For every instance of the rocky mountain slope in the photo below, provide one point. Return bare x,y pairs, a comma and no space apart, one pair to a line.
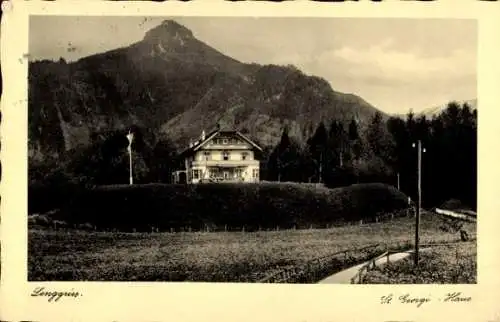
175,86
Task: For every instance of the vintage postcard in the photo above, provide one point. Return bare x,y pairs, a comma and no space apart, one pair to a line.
243,161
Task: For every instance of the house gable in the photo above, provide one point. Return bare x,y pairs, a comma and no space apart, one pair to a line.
223,140
228,138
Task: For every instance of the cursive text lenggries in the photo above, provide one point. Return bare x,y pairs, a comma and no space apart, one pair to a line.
54,296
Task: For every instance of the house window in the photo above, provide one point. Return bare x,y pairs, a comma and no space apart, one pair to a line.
255,173
196,174
244,156
207,156
225,155
224,141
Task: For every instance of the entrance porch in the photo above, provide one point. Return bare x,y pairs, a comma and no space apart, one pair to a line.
225,174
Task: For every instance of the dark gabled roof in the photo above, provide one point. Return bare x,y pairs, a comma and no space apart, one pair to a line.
198,144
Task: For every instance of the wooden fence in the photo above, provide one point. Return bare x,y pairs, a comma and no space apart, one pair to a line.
356,279
313,269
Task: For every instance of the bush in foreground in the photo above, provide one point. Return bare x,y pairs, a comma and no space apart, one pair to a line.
454,205
453,264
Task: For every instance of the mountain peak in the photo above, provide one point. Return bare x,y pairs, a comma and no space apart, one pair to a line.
183,84
168,31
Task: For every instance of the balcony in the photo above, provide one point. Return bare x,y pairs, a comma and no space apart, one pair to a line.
225,163
228,146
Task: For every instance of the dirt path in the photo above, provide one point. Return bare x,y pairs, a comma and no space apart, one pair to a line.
345,276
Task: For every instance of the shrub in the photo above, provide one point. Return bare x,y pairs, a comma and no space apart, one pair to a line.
454,204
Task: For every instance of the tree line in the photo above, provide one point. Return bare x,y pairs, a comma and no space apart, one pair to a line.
339,154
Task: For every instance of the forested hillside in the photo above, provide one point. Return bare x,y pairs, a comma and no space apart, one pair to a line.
170,86
175,86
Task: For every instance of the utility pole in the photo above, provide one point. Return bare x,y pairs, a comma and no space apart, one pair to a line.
278,163
320,166
341,154
398,182
130,138
419,201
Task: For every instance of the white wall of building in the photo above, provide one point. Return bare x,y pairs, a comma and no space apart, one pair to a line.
218,155
239,154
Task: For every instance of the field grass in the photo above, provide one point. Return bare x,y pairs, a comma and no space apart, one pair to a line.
201,256
451,264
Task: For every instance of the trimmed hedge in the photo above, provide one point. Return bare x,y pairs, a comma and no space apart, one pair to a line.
43,198
227,206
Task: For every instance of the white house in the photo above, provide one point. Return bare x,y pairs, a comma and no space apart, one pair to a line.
221,156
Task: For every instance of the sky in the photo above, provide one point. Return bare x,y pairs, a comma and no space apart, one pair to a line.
394,64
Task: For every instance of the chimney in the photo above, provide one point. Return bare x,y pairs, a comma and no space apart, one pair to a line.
203,135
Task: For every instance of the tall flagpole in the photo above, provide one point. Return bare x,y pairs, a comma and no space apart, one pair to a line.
130,137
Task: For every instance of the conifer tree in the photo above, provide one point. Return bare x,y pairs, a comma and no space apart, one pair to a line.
318,144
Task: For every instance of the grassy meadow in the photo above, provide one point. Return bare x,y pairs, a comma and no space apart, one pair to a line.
71,255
